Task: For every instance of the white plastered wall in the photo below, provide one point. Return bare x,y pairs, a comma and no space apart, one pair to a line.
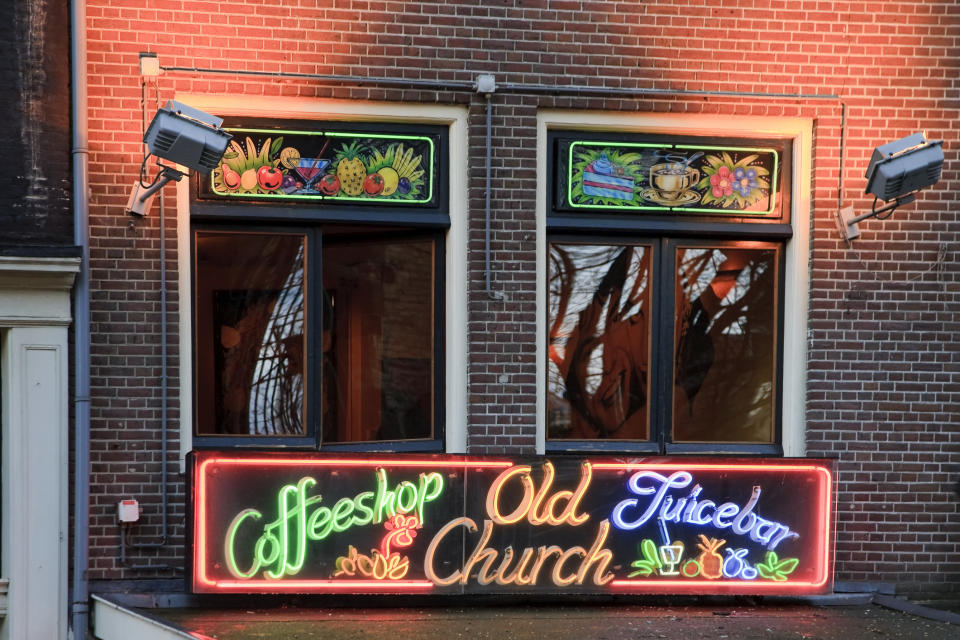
796,275
34,318
455,295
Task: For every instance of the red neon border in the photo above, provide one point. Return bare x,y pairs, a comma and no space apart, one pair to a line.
694,585
200,525
664,586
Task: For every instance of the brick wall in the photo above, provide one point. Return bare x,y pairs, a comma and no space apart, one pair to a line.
882,369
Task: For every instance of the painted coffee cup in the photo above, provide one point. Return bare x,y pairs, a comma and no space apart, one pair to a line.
672,180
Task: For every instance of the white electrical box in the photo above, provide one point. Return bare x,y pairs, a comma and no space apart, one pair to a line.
128,510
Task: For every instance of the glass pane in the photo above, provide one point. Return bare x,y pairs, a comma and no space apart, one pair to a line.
599,342
377,340
725,328
249,290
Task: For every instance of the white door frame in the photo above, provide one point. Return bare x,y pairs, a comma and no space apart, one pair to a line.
34,468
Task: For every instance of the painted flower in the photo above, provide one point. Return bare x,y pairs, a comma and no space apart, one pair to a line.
722,182
744,181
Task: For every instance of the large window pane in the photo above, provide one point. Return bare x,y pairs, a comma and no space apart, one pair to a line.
378,343
249,290
725,345
599,342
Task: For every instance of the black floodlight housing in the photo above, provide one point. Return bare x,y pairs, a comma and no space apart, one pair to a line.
182,135
187,136
904,166
897,171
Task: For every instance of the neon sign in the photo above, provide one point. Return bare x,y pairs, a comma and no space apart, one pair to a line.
277,546
688,510
299,524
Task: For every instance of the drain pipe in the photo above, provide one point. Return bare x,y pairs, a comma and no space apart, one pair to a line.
79,606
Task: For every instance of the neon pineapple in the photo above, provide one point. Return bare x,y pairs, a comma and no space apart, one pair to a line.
711,562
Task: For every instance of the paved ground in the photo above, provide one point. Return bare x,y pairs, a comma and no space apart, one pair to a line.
552,622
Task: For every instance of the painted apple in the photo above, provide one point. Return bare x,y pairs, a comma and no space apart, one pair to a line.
230,177
373,184
269,178
330,184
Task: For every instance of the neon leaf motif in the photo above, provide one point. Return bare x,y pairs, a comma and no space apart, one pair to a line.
773,568
650,561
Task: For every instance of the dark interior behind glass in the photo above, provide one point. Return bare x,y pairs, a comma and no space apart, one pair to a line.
377,380
249,291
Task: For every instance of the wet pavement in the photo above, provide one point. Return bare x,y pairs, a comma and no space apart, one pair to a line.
606,622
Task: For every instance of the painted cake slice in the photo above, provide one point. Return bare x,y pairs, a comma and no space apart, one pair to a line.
601,179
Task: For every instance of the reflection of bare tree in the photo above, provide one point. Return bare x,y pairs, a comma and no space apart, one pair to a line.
276,390
724,350
599,346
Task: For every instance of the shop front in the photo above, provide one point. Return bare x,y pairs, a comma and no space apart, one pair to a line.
324,260
318,255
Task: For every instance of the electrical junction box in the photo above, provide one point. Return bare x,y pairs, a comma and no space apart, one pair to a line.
128,510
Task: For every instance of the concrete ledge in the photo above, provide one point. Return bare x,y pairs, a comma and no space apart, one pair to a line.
112,621
827,600
914,609
864,587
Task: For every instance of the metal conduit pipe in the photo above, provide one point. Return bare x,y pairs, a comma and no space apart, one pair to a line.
79,606
164,492
164,393
513,87
639,92
409,83
493,295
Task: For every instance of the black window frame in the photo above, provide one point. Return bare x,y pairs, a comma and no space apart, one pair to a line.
666,231
313,220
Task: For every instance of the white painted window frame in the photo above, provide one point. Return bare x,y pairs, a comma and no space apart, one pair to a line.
796,272
455,294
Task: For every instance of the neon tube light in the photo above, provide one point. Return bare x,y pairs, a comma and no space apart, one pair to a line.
668,526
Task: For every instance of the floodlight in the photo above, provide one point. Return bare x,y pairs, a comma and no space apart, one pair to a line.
897,171
182,135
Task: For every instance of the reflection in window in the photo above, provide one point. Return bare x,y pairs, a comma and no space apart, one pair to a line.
599,346
377,381
250,333
725,328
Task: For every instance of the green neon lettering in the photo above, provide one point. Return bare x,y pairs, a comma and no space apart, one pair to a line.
320,523
384,506
263,541
301,524
360,507
298,514
230,540
406,489
342,511
280,525
281,549
431,486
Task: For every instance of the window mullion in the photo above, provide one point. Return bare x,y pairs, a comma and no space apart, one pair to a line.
663,357
312,389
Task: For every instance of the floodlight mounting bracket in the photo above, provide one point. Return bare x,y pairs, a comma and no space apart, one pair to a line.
140,196
847,221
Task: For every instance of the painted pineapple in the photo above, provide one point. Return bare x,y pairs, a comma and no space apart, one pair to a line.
350,169
711,562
